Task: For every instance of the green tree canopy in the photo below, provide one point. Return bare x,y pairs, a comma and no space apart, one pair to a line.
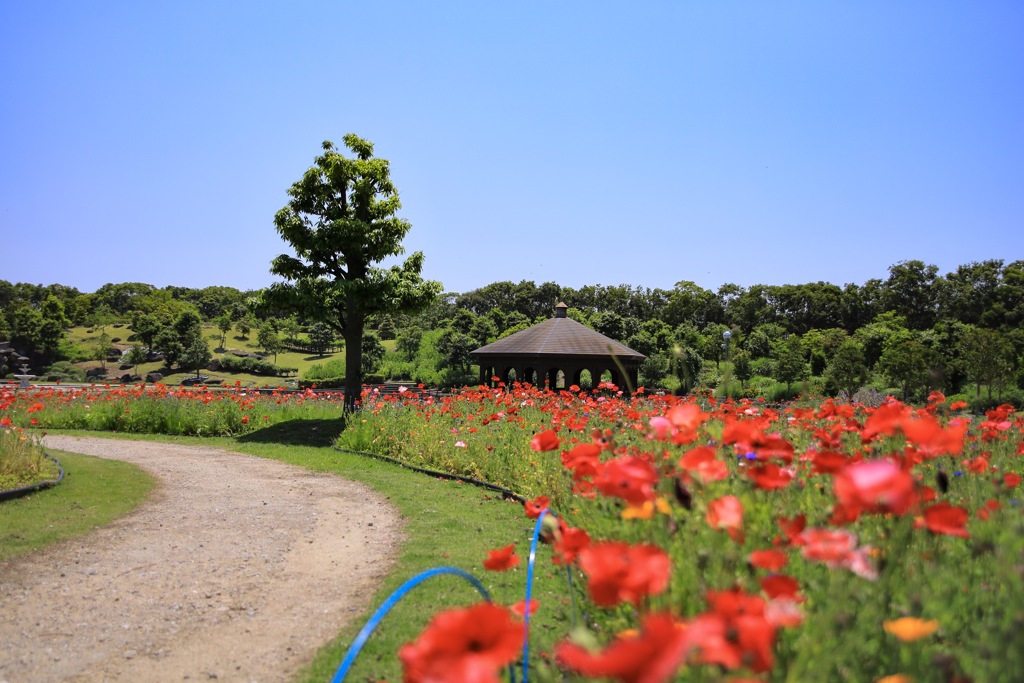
341,221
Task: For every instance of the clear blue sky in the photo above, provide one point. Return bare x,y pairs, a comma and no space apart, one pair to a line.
580,142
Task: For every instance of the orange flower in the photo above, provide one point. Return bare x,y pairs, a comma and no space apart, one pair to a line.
909,629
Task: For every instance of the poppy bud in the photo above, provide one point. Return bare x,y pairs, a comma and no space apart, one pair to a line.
683,495
548,529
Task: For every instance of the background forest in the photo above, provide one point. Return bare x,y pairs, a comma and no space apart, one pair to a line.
913,332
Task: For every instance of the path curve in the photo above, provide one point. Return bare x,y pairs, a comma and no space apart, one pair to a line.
237,568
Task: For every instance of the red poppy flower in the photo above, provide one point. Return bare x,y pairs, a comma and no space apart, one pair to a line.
536,506
619,572
772,560
780,585
793,527
651,656
770,476
502,559
831,546
727,513
943,518
569,543
874,486
627,477
829,462
583,460
463,646
933,439
519,609
1011,480
545,441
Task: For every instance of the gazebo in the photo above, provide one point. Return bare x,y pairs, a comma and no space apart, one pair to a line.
558,345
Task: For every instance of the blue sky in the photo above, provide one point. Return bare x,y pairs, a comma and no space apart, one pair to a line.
579,142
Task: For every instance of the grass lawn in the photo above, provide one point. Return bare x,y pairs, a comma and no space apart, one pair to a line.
94,492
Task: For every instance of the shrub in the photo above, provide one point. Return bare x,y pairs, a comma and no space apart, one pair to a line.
254,366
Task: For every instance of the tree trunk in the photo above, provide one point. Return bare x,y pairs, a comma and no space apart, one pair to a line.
353,355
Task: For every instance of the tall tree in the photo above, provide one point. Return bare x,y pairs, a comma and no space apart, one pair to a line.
341,221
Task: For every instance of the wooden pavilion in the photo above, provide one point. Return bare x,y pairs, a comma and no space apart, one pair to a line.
555,352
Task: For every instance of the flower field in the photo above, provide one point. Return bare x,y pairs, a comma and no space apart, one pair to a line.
160,409
740,541
709,541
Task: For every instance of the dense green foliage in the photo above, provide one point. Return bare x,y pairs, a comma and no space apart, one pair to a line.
786,339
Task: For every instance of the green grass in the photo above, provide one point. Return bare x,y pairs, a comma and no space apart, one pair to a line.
94,493
233,342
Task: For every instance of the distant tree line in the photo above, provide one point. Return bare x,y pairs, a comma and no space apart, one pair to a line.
914,331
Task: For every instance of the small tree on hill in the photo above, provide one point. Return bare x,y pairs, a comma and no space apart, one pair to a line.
136,356
321,336
268,340
223,323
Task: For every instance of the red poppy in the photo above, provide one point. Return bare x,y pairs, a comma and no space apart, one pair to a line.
468,645
772,560
727,513
583,460
943,518
829,462
780,585
931,438
651,656
619,572
831,546
686,416
545,441
519,609
1011,480
502,559
569,543
536,506
874,486
734,631
703,462
793,527
770,476
627,477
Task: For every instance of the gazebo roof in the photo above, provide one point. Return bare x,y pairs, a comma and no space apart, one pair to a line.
559,336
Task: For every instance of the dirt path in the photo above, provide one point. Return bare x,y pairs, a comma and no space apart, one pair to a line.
236,569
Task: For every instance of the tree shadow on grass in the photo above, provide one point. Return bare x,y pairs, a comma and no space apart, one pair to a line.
316,433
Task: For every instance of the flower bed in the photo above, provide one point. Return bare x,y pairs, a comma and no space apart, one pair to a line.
738,541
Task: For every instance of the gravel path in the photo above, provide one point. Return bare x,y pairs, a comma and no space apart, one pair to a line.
236,569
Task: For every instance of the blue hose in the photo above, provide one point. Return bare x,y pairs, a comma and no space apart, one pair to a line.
371,625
